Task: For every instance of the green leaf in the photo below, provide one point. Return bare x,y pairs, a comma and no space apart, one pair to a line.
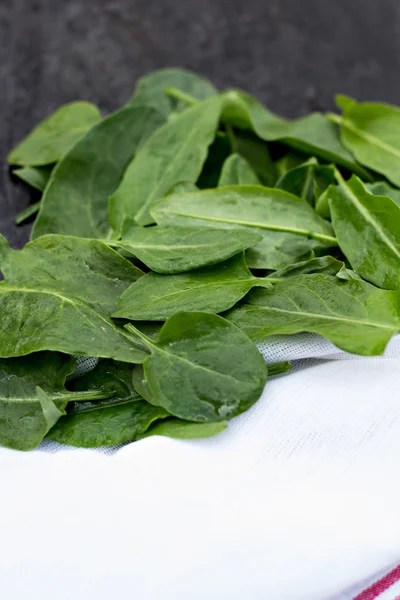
378,188
202,368
175,152
50,412
55,136
140,383
237,171
106,426
314,134
289,226
59,293
36,177
325,264
218,152
354,315
371,132
75,201
368,231
289,161
381,188
151,89
28,212
212,289
307,180
178,249
256,153
185,430
25,413
112,377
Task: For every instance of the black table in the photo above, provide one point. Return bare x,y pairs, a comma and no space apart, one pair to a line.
293,54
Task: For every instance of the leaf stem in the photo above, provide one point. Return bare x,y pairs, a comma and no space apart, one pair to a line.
137,333
83,396
334,118
176,93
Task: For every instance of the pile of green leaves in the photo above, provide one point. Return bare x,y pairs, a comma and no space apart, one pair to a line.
173,234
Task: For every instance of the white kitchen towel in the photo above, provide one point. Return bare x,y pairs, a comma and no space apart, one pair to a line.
298,499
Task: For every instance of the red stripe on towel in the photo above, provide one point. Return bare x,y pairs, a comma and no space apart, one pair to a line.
380,586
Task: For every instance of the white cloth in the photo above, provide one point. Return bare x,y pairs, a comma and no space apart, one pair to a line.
298,499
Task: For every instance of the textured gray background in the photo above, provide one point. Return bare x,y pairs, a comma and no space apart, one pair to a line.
293,54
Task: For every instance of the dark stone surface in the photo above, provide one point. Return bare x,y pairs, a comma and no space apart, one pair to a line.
293,54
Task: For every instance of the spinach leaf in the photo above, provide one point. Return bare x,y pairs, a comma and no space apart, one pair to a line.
314,134
184,430
140,383
289,161
381,188
368,231
218,152
307,180
256,153
175,152
106,426
237,171
371,132
24,412
202,368
55,136
151,89
28,212
75,201
212,289
178,249
354,315
289,226
36,177
378,188
50,412
59,293
112,377
324,264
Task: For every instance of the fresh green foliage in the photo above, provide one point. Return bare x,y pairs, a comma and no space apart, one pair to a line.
184,430
255,151
288,224
175,152
371,132
171,250
368,231
36,177
381,188
75,201
55,136
214,289
33,397
354,315
109,376
28,212
106,426
307,180
182,206
326,264
237,171
202,368
59,293
314,134
151,90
